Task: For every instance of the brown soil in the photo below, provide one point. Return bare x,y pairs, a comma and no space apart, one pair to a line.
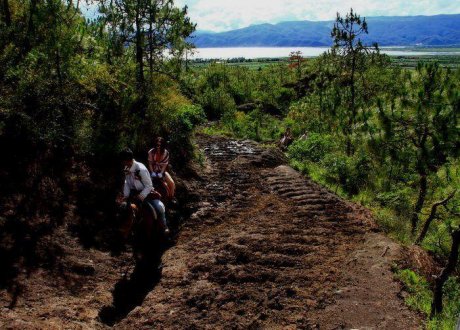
264,248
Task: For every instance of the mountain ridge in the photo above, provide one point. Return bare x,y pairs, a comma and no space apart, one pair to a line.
437,30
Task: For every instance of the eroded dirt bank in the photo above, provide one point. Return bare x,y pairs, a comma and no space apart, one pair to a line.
264,248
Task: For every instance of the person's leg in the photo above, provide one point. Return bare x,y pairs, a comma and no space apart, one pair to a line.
171,184
160,208
128,214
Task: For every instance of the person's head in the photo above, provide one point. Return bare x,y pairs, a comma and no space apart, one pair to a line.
127,157
160,144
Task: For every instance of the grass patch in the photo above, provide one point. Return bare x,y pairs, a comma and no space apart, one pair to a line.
216,129
420,296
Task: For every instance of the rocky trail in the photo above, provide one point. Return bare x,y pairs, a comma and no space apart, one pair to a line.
264,248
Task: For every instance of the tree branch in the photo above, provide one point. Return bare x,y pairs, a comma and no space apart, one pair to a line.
432,216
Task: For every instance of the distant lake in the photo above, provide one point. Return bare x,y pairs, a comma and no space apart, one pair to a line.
276,52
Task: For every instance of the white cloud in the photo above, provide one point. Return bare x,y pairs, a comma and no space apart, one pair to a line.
89,8
221,15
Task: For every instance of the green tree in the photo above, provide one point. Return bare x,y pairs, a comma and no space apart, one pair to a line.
420,128
151,27
351,55
295,62
432,127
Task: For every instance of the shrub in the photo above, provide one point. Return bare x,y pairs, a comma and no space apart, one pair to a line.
185,119
361,172
314,148
352,173
338,169
398,199
216,103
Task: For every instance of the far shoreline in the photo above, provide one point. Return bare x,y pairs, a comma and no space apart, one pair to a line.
262,52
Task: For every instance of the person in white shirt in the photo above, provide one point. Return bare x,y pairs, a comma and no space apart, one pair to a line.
138,184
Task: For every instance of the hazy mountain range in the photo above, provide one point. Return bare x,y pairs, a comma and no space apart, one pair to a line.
439,30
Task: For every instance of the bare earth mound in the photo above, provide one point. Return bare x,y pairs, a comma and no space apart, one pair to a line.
264,248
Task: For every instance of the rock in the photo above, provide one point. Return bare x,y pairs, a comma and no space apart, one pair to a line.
83,269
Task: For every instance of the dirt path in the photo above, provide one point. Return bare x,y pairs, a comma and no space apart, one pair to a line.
264,248
267,248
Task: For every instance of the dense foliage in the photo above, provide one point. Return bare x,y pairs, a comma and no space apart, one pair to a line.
73,93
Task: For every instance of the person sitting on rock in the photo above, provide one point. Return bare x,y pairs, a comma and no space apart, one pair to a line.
158,162
286,140
138,186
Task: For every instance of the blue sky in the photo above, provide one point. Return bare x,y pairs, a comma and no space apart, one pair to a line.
222,15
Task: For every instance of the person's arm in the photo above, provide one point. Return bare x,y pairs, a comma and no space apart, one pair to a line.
126,190
147,182
151,153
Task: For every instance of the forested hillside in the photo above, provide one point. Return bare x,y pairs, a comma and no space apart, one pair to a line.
74,92
383,136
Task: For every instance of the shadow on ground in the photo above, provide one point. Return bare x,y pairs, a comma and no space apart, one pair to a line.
131,292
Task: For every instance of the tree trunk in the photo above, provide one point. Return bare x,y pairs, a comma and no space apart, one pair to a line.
30,26
58,67
320,109
421,165
352,88
7,13
352,118
153,10
186,62
420,202
150,48
431,217
139,48
436,306
299,68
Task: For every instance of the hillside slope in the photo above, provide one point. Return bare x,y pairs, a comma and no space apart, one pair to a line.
264,248
267,248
